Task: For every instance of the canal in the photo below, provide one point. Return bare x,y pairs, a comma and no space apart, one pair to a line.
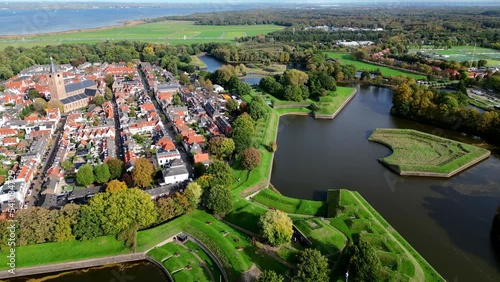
447,220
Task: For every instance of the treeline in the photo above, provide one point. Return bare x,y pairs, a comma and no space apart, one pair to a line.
119,212
444,109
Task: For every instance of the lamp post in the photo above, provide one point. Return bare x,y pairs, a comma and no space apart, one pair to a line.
346,276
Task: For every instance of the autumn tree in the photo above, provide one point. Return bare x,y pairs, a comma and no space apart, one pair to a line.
40,105
312,267
221,147
277,227
85,175
220,200
258,108
115,186
116,168
142,173
273,146
243,132
35,225
193,194
171,207
250,158
295,77
101,173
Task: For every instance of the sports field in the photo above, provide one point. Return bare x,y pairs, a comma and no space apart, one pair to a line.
348,59
172,32
462,53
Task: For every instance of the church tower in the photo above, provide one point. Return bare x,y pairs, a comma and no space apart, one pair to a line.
56,82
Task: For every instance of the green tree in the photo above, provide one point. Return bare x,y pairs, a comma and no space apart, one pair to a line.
277,227
99,100
108,94
40,105
101,173
363,262
221,174
270,276
232,106
68,165
295,77
116,186
85,175
243,132
221,147
193,194
250,158
184,79
273,146
199,169
177,100
33,94
35,225
220,200
142,173
243,88
63,230
312,267
258,108
116,168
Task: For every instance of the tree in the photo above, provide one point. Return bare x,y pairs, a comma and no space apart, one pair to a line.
177,100
232,106
251,158
171,207
220,200
142,173
273,146
312,267
99,100
199,169
221,147
35,225
63,230
363,262
295,77
33,94
85,175
108,94
232,84
270,276
277,227
193,194
115,186
40,105
101,173
243,88
221,174
116,168
243,132
257,108
68,165
184,79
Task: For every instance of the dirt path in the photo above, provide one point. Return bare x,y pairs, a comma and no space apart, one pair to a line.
419,272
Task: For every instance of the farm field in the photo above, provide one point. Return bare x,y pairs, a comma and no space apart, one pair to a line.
172,32
462,53
348,59
422,154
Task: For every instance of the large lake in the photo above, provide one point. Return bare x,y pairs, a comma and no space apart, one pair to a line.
447,220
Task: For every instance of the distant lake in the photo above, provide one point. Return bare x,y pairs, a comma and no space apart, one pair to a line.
17,22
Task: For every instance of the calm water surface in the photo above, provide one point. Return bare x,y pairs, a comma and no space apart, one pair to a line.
447,220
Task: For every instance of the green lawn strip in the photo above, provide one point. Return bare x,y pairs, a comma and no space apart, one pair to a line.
57,252
348,59
197,62
271,199
430,273
284,111
330,104
415,151
216,272
290,253
245,214
324,238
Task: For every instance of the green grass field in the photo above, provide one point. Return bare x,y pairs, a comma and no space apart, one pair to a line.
348,59
419,152
172,32
329,104
324,237
462,53
269,198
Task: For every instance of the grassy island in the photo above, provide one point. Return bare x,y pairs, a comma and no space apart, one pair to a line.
420,154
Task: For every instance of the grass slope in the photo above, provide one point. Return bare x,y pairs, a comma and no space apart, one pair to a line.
348,59
172,32
415,151
271,199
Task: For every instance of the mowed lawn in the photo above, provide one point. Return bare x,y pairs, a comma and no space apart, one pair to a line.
173,32
348,59
462,53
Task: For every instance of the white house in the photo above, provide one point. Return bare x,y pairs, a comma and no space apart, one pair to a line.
164,157
177,172
218,88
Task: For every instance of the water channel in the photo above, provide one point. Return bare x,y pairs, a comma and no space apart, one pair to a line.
447,220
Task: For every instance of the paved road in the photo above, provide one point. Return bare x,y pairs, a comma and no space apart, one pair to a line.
25,271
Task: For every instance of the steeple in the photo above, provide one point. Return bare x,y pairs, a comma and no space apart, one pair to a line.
53,68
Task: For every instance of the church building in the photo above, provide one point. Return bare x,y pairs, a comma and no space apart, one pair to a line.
72,96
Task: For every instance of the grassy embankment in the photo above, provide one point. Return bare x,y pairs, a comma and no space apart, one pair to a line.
348,59
418,153
197,62
171,32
